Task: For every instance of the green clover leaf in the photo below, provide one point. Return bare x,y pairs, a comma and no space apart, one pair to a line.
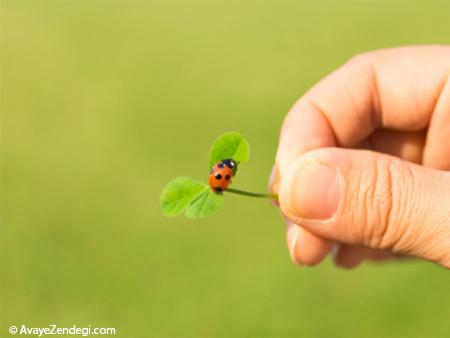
208,203
179,194
230,145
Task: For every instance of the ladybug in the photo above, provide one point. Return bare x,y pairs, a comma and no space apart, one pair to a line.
221,175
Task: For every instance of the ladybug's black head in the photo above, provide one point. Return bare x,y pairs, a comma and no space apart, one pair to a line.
230,163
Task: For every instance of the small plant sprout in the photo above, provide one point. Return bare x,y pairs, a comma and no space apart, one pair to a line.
197,199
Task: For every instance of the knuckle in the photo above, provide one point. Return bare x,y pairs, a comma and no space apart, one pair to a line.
379,201
383,206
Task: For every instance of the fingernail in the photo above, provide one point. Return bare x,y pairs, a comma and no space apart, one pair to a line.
315,191
334,251
273,184
292,237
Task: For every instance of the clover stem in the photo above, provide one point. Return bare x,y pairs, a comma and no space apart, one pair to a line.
252,194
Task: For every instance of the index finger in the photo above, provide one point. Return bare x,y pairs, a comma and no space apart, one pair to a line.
391,88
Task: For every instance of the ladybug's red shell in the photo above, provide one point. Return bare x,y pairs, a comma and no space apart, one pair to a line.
220,177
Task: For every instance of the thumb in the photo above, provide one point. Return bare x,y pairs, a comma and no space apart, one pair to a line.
371,199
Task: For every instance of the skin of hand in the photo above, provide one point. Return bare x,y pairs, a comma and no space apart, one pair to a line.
363,163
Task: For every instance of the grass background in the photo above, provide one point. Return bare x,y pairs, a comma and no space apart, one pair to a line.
104,101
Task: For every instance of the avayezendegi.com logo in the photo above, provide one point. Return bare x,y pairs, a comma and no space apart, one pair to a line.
53,329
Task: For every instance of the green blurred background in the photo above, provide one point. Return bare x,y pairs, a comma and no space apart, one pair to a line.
103,102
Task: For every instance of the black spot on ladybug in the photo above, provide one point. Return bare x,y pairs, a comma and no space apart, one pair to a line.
218,176
220,165
227,177
218,189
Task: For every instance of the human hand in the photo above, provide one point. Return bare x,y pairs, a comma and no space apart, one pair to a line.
393,199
